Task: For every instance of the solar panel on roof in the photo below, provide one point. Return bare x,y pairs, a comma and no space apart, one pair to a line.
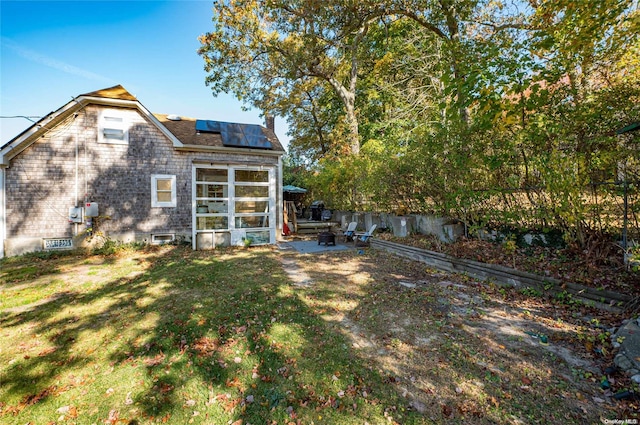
232,136
207,126
236,135
255,137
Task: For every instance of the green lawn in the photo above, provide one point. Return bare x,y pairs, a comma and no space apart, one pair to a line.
169,335
174,336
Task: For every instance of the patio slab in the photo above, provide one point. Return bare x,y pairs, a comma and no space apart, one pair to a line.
311,247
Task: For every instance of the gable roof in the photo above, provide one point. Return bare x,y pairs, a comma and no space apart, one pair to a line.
182,133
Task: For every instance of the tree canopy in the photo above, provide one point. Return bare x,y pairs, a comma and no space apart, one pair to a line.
486,110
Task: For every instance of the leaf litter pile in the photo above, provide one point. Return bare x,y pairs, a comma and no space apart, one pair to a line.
168,335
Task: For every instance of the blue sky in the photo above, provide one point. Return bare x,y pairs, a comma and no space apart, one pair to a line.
53,50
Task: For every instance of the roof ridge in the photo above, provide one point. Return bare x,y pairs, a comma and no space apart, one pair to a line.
115,92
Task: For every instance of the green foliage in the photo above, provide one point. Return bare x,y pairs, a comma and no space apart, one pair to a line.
531,292
417,107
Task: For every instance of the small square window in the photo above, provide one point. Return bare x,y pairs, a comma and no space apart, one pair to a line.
113,127
113,134
163,191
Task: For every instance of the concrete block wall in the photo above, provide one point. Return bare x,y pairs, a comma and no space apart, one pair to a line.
445,229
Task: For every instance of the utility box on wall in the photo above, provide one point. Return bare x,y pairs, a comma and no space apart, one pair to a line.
75,214
91,209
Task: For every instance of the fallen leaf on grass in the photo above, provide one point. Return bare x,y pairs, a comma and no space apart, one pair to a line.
71,412
112,419
206,346
31,399
47,351
155,360
446,410
234,382
227,403
166,388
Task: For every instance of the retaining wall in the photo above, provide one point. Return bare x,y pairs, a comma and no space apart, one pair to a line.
602,299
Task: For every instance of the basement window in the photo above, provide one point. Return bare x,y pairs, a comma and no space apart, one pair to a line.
163,238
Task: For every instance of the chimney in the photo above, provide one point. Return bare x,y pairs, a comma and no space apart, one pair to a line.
270,122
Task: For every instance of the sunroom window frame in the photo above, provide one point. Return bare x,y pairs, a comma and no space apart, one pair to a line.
231,200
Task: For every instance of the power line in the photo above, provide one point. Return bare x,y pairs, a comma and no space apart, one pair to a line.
21,116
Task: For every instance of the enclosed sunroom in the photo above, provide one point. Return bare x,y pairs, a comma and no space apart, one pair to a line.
234,205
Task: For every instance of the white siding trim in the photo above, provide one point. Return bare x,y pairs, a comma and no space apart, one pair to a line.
279,202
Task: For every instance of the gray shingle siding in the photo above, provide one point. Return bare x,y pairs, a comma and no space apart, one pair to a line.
41,181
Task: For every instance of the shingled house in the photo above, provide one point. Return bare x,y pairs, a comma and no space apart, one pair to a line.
104,163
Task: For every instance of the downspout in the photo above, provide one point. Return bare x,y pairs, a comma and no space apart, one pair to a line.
3,209
194,233
75,225
279,202
77,147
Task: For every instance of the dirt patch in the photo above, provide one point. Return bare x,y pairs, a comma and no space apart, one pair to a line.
461,349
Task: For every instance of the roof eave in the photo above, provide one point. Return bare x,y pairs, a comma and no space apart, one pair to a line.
134,103
40,128
226,149
37,130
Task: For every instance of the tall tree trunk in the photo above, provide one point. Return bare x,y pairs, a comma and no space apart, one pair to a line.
348,95
454,43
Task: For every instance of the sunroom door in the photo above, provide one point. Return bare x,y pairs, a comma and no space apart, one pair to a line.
254,205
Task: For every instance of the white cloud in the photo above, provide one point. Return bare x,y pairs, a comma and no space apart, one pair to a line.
54,63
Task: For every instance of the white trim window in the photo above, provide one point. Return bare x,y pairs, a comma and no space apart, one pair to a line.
113,127
163,191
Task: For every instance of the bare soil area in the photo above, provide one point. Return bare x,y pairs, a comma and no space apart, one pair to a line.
466,351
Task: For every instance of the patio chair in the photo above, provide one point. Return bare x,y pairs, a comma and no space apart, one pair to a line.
350,232
362,239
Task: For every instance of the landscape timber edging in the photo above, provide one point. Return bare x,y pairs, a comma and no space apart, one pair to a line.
602,299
